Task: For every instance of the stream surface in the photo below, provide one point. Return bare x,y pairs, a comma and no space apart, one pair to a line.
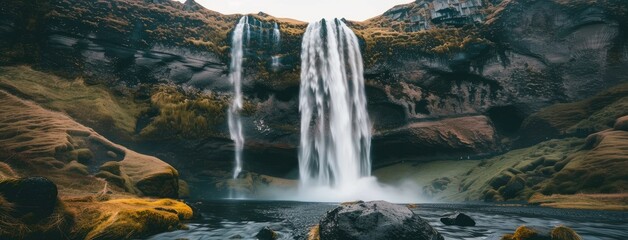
242,219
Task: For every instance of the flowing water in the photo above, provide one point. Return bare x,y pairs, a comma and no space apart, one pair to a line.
235,76
334,154
276,35
291,220
335,128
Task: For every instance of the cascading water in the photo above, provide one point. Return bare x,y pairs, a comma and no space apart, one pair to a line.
335,128
334,154
235,76
276,34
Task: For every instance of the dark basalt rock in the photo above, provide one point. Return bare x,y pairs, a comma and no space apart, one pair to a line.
458,219
36,195
266,234
373,221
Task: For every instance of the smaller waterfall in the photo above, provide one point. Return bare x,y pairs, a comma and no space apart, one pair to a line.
247,27
275,62
235,76
276,34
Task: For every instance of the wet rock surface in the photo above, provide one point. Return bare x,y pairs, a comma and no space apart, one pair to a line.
375,220
458,219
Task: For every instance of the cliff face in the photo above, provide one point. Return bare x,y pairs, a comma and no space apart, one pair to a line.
429,65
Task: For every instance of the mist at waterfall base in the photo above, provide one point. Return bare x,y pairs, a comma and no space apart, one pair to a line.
335,142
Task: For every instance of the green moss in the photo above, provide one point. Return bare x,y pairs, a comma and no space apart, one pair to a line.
383,44
180,115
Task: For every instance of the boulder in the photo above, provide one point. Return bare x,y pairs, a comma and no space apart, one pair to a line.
266,234
373,221
458,219
36,195
512,189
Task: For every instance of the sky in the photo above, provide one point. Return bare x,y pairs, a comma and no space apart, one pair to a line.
305,10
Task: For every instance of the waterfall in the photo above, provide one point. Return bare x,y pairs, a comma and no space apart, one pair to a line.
335,130
235,76
276,34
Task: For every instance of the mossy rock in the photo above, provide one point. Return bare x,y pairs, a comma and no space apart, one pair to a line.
564,233
547,171
550,161
162,185
501,180
492,195
512,189
112,167
527,233
534,180
76,168
532,165
83,155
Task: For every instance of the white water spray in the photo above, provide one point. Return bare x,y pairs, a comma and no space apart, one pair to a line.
334,154
335,129
235,76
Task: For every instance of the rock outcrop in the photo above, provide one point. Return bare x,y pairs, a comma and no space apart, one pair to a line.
75,160
36,141
464,136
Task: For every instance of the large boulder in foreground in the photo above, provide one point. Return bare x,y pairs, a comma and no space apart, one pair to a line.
374,221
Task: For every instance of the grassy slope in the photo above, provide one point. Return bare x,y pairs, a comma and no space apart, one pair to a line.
554,167
93,105
584,117
178,114
38,142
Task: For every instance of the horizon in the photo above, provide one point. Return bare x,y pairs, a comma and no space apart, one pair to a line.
307,11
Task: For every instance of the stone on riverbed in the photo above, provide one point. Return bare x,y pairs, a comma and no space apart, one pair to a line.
458,219
266,234
374,221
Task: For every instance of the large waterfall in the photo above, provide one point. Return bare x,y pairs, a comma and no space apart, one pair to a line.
235,76
334,154
335,128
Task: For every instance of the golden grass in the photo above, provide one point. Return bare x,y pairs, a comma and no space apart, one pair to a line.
35,141
128,218
6,171
55,226
564,233
558,233
314,233
185,116
523,233
590,115
94,105
614,202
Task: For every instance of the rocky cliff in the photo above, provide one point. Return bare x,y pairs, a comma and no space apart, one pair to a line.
453,80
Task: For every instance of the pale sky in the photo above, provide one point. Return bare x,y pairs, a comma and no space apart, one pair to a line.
305,10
